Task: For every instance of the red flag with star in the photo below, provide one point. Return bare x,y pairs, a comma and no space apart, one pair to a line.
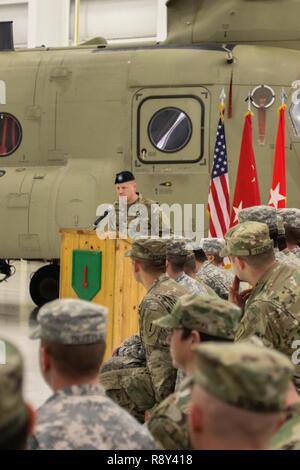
246,193
278,189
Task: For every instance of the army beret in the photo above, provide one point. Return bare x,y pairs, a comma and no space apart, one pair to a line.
124,177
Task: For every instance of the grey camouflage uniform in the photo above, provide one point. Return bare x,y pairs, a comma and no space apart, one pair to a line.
219,279
216,317
268,215
81,416
272,311
141,388
13,414
291,219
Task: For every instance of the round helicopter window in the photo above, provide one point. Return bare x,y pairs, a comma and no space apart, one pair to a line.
170,130
10,134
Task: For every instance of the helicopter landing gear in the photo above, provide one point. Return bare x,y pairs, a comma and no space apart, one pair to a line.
44,284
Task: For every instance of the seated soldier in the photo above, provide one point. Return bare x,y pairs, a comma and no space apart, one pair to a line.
211,271
291,220
16,417
79,415
177,257
141,388
268,215
193,320
272,310
238,395
288,435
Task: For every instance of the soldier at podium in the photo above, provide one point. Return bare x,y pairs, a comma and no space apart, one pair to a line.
132,206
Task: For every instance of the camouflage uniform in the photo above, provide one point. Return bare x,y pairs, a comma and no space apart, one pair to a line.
288,436
218,279
13,414
81,416
268,215
272,311
140,389
243,375
213,316
291,218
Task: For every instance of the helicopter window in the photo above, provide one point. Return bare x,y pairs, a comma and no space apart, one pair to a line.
295,116
170,129
10,134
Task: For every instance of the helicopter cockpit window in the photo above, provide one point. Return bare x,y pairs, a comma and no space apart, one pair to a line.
10,134
170,130
295,116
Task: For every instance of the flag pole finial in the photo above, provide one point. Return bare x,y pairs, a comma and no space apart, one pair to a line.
283,96
249,101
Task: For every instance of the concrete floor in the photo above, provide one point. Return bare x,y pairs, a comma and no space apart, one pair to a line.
17,317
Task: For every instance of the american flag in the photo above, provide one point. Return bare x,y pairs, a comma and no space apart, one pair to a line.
218,199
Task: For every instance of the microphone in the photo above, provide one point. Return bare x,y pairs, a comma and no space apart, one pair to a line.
105,214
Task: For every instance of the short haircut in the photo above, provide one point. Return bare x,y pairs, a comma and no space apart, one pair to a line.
292,235
200,255
217,258
153,267
177,262
257,261
190,266
16,441
76,360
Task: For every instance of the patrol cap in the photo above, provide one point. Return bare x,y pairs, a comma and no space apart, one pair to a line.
263,214
13,414
243,375
71,321
247,239
212,245
178,247
210,315
291,217
151,249
124,177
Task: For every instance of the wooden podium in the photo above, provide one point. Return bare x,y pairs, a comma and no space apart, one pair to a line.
98,271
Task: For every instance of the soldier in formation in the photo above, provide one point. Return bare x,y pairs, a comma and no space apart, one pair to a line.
79,416
238,394
193,320
272,311
211,271
17,417
139,390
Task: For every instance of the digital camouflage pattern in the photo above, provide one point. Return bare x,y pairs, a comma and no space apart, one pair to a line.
288,436
84,418
263,214
130,354
217,278
212,246
269,215
178,247
296,251
209,315
13,413
213,316
272,311
247,239
71,321
192,285
291,217
243,375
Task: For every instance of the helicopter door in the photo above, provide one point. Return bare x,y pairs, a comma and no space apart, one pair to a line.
169,126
